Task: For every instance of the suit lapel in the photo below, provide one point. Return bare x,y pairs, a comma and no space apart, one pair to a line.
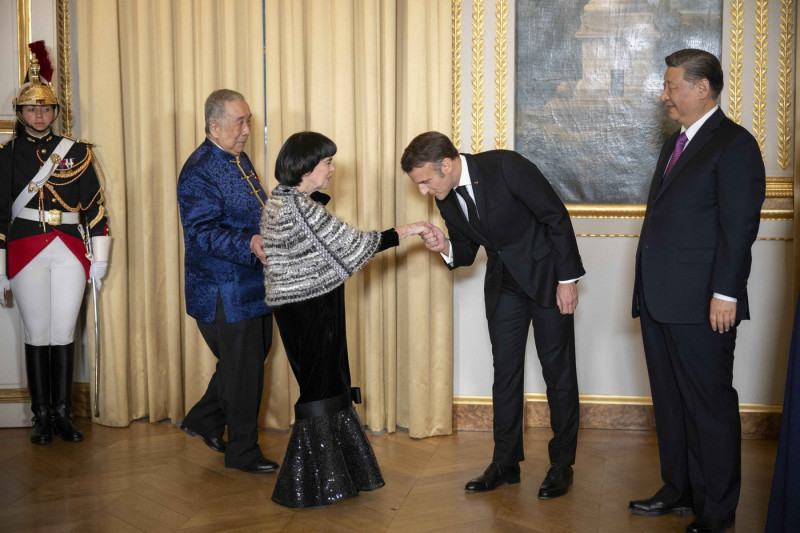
697,143
450,207
655,184
476,178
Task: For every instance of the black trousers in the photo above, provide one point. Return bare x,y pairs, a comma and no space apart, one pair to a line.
697,413
233,396
554,336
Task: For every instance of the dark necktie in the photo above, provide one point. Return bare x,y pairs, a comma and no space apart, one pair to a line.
472,211
675,154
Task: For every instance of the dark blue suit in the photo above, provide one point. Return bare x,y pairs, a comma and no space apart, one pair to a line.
220,201
530,246
699,227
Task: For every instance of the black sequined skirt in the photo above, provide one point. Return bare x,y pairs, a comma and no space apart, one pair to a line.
328,459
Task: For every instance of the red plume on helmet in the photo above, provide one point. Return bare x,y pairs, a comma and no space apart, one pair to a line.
45,67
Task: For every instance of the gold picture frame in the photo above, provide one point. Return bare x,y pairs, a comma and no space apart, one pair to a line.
64,64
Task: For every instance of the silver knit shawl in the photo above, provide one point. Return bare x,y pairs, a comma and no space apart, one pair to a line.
309,251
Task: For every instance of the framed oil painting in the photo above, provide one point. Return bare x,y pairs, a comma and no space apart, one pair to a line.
589,74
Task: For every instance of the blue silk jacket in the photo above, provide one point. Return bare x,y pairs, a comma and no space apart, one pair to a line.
220,201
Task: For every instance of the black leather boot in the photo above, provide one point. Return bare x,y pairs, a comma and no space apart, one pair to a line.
37,366
61,364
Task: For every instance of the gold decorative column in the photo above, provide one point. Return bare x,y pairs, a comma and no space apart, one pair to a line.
64,67
478,13
456,94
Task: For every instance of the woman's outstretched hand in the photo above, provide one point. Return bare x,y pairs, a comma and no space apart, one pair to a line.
417,228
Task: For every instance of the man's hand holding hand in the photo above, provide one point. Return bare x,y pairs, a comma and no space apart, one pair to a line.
434,239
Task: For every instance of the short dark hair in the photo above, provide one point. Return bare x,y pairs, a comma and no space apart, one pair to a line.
428,147
214,108
698,65
299,155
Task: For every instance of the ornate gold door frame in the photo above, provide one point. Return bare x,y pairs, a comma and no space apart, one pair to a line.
63,66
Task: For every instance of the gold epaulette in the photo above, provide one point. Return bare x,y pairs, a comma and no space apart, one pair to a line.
82,141
4,143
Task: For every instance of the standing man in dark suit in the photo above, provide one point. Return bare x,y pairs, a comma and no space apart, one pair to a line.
500,200
220,200
690,293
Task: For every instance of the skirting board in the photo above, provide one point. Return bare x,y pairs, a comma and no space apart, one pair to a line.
80,399
474,413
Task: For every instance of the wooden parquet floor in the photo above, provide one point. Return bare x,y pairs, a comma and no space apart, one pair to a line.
153,477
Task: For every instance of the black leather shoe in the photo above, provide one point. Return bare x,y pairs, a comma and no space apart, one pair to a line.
556,482
493,477
215,443
259,466
655,507
710,525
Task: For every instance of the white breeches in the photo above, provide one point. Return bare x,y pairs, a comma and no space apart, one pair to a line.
49,291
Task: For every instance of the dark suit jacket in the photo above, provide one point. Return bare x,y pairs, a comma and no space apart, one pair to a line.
700,224
529,229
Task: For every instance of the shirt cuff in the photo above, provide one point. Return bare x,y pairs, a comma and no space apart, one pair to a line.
723,297
449,257
569,280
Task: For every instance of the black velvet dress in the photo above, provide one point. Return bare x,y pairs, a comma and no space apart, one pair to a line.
328,457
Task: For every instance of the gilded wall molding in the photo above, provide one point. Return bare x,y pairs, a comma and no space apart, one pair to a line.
23,36
785,83
64,66
478,32
456,94
780,187
501,75
760,75
63,51
736,61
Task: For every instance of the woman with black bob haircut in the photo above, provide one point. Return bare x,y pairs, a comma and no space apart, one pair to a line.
301,156
310,254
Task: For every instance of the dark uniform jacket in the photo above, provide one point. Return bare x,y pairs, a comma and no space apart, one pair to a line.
73,187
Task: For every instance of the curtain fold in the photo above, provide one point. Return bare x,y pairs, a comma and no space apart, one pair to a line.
369,74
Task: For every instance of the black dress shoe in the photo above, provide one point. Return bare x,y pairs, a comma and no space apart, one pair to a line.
655,507
556,482
710,525
215,443
259,466
493,477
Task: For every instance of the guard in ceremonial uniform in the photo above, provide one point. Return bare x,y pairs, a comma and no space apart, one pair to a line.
50,186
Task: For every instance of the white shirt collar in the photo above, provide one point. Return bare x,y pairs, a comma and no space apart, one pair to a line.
465,178
693,129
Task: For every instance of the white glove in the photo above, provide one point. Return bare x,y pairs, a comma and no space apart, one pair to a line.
4,283
97,271
4,286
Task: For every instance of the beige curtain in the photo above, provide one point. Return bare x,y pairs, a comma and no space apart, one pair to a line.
369,74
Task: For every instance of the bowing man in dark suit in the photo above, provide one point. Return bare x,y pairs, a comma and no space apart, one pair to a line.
690,293
500,200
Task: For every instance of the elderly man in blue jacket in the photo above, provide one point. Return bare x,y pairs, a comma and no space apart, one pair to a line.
220,201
